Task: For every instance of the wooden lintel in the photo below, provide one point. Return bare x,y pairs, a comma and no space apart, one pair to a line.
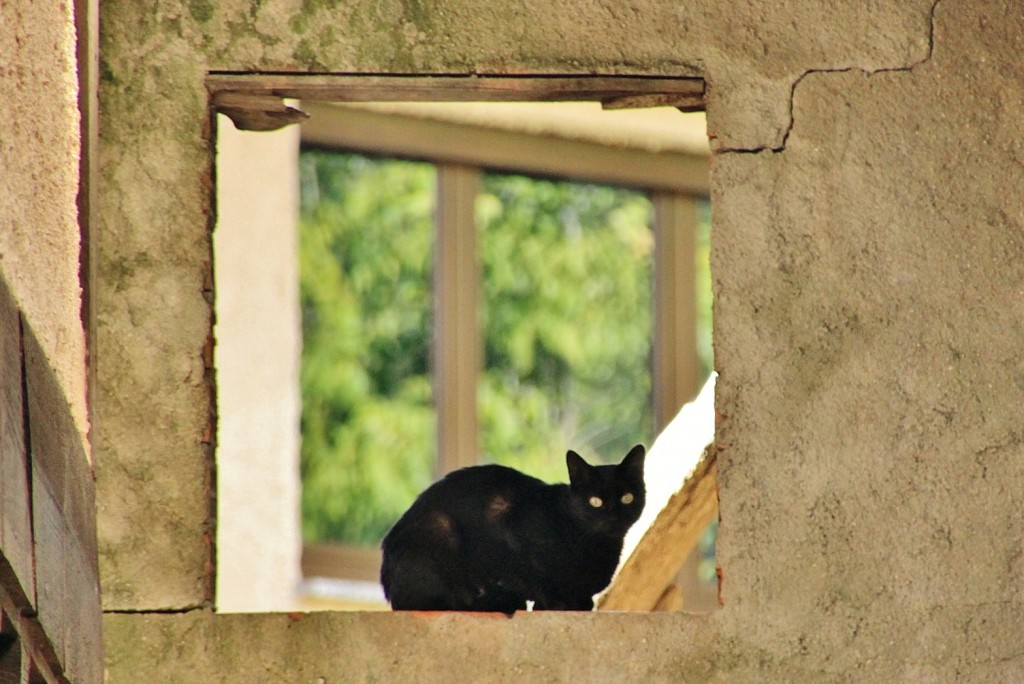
682,101
642,581
680,92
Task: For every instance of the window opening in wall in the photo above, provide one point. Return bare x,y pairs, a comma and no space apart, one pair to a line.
506,306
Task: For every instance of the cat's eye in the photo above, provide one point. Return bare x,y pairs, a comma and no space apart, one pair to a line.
627,498
596,502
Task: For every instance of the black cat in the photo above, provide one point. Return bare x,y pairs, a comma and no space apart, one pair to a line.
489,538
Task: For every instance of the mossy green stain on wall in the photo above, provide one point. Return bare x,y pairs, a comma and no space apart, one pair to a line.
311,6
107,74
396,33
299,23
201,10
415,12
306,54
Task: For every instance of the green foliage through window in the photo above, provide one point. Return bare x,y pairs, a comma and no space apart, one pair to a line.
368,422
566,320
567,271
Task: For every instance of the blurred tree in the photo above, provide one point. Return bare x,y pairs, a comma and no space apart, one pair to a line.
368,424
567,321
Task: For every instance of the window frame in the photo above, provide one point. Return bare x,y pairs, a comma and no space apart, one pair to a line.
676,182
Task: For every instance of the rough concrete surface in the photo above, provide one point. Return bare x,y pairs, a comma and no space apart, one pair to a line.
152,298
870,312
867,255
427,648
751,53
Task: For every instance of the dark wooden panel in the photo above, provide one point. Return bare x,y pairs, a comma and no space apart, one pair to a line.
15,520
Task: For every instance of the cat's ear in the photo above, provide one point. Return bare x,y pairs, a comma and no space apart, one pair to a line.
579,470
633,464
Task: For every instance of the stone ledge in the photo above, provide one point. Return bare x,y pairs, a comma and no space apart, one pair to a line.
201,646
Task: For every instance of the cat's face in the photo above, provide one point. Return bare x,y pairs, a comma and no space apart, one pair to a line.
608,499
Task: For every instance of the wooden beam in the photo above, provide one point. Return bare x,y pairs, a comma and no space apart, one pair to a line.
671,600
10,650
457,348
685,92
37,660
15,502
676,362
642,581
348,128
50,447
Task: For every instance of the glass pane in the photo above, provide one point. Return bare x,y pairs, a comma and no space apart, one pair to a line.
368,423
567,317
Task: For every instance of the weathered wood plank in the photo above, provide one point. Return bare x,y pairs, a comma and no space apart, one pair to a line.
83,646
679,92
51,563
15,519
48,450
643,578
63,506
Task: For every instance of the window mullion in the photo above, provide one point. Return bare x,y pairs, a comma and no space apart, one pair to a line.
457,337
675,359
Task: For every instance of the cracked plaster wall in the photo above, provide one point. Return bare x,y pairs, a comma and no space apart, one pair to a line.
874,387
868,235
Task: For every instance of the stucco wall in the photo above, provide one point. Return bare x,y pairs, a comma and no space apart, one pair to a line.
870,300
39,148
867,250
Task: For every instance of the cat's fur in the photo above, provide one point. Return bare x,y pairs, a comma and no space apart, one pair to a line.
489,538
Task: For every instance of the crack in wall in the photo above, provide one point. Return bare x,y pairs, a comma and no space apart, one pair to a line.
157,611
838,70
